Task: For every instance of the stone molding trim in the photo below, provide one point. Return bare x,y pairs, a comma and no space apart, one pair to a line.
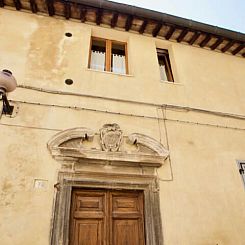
148,142
109,145
69,180
106,160
69,134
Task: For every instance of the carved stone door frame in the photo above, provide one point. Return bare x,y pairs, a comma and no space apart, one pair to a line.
67,181
107,160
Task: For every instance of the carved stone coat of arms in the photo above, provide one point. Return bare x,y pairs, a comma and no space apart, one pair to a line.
111,137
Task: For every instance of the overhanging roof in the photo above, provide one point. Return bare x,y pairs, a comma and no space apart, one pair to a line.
142,21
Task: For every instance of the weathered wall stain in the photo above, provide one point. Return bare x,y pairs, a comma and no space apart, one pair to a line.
202,195
46,55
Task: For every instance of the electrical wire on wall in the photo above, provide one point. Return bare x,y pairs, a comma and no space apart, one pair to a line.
77,108
163,111
163,118
167,106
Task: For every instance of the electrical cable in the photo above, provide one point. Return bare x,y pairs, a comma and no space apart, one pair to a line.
167,143
30,127
127,114
168,106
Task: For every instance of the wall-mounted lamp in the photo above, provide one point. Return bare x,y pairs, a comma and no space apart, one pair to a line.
7,84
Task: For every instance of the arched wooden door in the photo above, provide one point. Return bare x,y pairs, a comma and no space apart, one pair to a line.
107,217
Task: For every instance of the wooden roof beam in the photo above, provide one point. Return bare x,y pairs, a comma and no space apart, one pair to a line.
114,19
194,37
143,26
157,29
83,12
205,41
67,10
238,49
99,14
170,33
228,46
217,43
33,6
2,3
50,6
182,35
17,4
129,22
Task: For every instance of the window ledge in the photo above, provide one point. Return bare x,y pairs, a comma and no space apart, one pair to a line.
109,72
173,83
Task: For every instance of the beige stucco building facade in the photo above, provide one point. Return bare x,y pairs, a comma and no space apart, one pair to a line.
198,119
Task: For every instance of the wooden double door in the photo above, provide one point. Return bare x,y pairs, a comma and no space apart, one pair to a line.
107,217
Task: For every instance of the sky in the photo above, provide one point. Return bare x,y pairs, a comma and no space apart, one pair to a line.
229,14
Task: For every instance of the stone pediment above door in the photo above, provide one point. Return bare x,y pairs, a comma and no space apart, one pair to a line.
108,146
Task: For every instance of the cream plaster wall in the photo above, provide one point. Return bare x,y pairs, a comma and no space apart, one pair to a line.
202,195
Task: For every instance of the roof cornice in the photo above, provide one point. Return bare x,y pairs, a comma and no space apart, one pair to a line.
129,18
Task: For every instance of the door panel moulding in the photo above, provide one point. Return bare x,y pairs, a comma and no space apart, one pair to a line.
68,181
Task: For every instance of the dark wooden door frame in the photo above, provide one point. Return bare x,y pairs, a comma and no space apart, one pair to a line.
67,180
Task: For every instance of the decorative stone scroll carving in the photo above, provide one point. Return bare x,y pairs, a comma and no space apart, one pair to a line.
69,134
148,142
110,146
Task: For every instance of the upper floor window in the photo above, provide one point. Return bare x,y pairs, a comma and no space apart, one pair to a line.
164,65
241,165
108,55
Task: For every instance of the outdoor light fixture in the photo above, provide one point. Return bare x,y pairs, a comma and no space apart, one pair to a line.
7,84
